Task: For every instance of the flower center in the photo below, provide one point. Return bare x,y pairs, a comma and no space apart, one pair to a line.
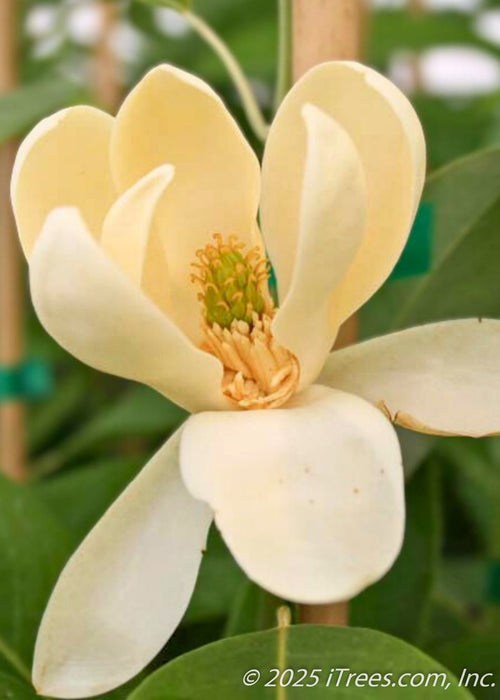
237,313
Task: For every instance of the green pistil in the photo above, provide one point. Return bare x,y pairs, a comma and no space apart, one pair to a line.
230,285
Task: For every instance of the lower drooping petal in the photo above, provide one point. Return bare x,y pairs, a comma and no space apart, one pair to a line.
442,378
309,498
125,590
95,312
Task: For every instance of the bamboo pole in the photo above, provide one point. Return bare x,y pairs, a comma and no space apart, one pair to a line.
12,438
106,69
326,30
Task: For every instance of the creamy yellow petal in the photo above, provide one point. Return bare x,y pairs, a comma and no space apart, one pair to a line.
64,161
443,378
173,117
126,588
309,498
127,227
388,137
93,310
331,225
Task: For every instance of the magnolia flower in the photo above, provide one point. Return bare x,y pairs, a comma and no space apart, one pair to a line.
146,261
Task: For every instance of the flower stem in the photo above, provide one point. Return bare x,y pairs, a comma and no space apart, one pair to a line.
284,77
248,99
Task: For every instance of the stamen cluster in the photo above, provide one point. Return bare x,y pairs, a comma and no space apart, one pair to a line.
237,316
233,285
259,372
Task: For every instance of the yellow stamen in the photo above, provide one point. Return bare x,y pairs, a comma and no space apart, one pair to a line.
237,315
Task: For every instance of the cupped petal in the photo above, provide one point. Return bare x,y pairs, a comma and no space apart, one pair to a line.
129,238
332,219
308,498
388,137
126,228
174,117
64,161
442,378
124,591
92,309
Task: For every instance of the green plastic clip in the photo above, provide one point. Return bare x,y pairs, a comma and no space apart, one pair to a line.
27,380
417,255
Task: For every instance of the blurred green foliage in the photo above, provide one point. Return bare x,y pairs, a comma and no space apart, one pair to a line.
90,438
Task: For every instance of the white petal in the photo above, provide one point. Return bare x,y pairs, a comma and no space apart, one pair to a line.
443,378
332,220
90,307
126,229
125,590
388,137
309,498
173,117
130,239
63,162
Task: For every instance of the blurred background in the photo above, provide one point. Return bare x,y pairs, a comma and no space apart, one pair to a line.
80,436
444,53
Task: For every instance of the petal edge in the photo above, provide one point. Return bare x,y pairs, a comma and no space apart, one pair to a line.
108,615
309,498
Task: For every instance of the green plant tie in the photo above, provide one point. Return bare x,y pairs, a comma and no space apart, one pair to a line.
31,379
416,257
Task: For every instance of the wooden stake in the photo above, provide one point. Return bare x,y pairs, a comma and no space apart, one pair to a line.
327,30
107,78
332,614
12,439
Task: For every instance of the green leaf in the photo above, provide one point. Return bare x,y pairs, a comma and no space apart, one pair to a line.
139,413
218,582
446,622
13,689
34,547
80,497
474,470
456,127
464,279
479,655
464,580
22,108
399,603
46,418
217,670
